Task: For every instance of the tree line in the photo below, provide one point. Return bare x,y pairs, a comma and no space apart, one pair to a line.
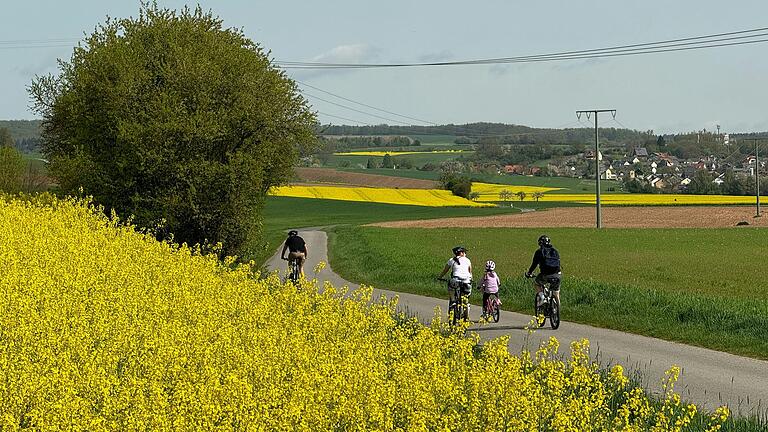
354,142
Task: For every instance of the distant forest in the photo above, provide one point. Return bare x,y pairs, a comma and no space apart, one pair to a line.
25,133
499,133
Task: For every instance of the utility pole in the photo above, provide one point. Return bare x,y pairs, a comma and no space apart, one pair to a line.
757,175
597,159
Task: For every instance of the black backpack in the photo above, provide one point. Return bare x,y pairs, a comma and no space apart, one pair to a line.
551,257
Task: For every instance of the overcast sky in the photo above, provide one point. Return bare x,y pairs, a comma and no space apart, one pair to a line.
666,92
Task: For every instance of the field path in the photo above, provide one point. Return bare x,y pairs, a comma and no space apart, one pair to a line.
708,378
613,217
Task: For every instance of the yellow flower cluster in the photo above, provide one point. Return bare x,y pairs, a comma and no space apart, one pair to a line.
395,153
419,197
104,328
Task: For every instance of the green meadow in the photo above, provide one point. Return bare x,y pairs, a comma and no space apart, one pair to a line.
697,286
568,185
417,159
284,213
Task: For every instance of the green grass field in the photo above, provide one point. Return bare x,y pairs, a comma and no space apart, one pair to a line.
405,173
441,146
284,213
415,159
698,286
568,184
435,139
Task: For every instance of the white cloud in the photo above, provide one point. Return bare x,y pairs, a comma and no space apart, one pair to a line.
356,53
436,57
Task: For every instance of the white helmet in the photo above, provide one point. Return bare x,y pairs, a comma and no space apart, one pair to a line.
490,265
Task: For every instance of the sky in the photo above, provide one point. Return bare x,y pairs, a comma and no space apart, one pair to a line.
665,92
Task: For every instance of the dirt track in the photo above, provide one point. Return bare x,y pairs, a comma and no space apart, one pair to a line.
612,217
326,175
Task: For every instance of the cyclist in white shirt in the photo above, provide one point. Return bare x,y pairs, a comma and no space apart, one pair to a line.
461,273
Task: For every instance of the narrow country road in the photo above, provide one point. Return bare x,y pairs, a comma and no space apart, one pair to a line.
708,378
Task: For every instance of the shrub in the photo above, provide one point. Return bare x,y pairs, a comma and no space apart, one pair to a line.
12,166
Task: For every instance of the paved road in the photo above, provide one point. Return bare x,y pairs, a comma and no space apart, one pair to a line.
709,378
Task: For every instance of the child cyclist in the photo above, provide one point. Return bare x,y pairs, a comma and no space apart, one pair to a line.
489,284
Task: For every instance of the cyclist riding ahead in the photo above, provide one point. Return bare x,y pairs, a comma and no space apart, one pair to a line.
547,259
461,274
297,249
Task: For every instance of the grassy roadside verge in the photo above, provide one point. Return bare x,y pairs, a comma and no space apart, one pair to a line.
694,287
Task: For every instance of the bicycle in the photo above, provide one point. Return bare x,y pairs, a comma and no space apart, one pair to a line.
548,306
293,270
458,310
492,308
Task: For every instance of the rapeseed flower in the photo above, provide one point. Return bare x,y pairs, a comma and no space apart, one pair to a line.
417,197
105,328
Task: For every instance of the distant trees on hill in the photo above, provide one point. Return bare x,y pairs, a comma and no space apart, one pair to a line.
500,133
342,143
25,134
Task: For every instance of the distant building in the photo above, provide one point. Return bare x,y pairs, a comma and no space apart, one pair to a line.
514,169
639,152
608,174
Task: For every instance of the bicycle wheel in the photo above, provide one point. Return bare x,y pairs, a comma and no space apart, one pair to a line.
457,311
495,312
554,320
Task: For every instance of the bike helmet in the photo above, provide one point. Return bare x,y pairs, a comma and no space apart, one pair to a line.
490,266
459,249
545,241
292,233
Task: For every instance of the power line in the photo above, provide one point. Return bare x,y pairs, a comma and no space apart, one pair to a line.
619,123
37,43
671,45
354,109
365,105
344,118
34,41
453,129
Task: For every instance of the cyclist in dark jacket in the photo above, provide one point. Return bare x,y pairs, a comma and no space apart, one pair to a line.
297,249
547,259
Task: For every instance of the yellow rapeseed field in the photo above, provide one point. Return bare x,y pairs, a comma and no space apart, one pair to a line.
491,191
419,197
649,199
395,153
104,328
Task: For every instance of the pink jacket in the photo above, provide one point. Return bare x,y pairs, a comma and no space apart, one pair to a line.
491,282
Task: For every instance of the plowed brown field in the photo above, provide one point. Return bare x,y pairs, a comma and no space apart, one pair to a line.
612,217
331,176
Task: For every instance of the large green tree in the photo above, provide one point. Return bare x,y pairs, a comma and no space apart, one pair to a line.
174,119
